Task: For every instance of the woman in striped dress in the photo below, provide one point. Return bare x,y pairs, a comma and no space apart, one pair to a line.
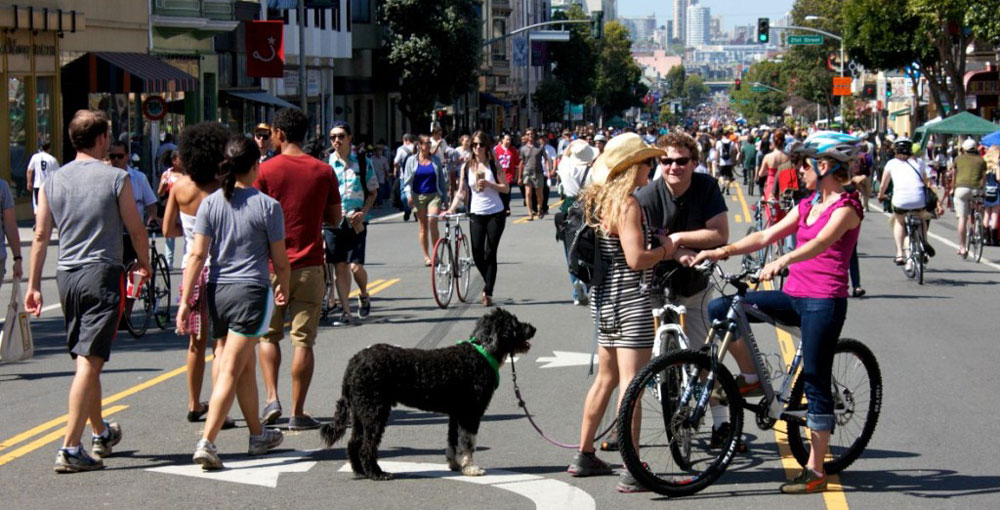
620,306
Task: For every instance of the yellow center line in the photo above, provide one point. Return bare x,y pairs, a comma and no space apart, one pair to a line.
743,203
738,218
48,438
377,286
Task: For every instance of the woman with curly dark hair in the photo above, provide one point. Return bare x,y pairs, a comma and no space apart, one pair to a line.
200,153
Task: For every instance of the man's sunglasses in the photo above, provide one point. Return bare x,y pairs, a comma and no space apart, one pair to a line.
670,161
116,156
263,136
338,136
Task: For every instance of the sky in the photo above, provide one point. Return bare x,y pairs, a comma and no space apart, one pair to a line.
733,12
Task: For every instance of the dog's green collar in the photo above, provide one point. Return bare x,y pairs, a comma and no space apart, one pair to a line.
489,357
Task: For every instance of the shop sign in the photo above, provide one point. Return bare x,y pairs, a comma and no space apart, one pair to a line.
265,49
841,85
983,88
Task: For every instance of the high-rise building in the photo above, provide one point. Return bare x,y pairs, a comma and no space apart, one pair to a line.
680,20
642,29
699,20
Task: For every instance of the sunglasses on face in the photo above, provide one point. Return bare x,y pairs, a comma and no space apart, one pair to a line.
262,136
338,136
476,145
670,161
116,156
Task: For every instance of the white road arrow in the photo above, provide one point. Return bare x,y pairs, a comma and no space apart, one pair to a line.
545,493
565,359
263,471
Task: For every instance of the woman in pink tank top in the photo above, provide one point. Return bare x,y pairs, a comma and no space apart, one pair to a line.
826,225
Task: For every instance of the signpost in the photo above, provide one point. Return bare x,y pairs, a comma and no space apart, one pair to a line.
758,88
809,40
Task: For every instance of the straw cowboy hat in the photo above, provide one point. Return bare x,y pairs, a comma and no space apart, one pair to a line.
620,154
580,153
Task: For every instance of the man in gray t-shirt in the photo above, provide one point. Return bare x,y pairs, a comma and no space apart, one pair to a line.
89,202
531,173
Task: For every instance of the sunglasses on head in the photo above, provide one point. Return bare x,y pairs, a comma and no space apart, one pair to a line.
116,156
670,161
338,136
263,136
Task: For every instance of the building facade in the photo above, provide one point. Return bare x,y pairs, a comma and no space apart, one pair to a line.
698,27
680,21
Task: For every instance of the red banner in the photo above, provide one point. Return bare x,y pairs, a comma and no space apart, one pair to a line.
265,49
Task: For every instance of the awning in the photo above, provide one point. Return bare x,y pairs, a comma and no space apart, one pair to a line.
259,96
486,97
121,73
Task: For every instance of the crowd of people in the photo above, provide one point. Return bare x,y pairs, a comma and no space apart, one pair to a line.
263,217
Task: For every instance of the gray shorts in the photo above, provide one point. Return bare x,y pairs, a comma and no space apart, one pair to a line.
535,180
241,308
92,300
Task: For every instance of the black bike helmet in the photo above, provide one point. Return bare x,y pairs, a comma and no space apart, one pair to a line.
903,145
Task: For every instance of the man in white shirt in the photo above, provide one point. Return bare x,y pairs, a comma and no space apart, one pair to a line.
41,165
145,199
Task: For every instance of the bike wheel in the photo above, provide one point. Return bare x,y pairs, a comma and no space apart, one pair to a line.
916,254
137,316
160,292
442,274
677,457
857,401
463,269
979,239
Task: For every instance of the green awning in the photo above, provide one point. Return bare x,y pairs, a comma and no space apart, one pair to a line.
902,112
963,123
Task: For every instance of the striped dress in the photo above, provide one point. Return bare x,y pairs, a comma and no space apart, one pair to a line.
625,318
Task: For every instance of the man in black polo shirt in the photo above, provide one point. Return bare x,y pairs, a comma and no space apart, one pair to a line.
690,209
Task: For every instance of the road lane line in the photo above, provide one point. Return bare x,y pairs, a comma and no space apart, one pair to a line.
48,438
7,443
738,218
834,497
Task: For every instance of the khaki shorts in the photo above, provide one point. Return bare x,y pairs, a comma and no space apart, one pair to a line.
426,201
305,300
962,198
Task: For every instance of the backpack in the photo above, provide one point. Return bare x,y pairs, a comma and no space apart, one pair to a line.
726,150
585,260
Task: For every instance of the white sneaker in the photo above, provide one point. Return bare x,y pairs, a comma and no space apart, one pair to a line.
266,441
207,455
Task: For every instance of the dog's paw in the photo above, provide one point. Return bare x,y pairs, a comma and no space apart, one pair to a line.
380,476
473,471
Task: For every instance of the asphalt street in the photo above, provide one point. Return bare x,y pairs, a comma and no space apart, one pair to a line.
931,449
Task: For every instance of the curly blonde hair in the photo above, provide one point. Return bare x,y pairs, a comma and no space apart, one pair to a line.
604,205
993,160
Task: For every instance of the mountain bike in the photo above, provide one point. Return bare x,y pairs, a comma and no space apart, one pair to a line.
916,258
974,235
451,262
155,294
683,451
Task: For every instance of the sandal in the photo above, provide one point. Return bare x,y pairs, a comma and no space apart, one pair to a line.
427,262
194,416
899,261
858,292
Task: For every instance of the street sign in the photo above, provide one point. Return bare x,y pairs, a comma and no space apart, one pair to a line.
810,40
758,88
154,108
550,35
842,85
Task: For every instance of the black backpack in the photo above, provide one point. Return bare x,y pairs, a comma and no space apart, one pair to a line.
726,150
585,260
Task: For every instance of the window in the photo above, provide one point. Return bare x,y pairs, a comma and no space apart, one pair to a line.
349,16
361,11
499,50
335,12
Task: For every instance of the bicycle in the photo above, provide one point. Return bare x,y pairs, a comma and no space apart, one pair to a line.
155,293
776,210
674,393
916,258
974,236
451,262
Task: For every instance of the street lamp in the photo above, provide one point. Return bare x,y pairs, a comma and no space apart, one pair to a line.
812,17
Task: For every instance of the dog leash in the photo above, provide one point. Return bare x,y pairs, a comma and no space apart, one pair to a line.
523,405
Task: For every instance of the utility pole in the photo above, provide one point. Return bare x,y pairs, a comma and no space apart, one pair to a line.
300,16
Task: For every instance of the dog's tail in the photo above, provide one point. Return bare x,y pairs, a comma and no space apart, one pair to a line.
333,431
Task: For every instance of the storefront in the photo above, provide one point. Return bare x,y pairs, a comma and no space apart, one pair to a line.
29,50
982,91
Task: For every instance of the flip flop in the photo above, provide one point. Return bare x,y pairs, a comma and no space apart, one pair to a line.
427,262
899,261
194,416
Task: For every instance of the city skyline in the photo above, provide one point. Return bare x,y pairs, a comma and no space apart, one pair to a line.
733,12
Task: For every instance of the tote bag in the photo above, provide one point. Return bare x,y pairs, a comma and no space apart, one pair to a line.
16,343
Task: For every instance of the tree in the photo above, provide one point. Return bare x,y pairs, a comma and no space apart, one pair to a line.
757,107
675,81
550,99
805,65
436,47
617,86
575,61
695,90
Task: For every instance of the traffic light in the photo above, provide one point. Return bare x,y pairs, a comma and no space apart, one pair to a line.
763,30
888,92
738,83
868,91
597,24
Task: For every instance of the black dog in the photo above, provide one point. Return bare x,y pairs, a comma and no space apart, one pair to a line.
458,381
